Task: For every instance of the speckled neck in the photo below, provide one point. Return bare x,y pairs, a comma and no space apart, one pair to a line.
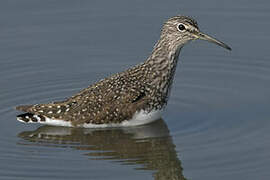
163,62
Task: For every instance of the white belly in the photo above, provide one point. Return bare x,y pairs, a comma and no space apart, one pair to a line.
139,118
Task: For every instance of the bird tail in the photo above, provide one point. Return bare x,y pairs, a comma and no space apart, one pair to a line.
30,118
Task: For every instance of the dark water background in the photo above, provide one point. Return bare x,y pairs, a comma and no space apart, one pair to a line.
217,121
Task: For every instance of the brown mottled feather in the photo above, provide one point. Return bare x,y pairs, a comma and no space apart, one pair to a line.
111,100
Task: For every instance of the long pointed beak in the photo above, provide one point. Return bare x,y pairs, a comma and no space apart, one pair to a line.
203,36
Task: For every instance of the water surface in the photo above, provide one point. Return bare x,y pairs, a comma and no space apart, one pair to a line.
216,125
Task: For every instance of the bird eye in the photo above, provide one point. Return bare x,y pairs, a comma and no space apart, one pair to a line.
181,27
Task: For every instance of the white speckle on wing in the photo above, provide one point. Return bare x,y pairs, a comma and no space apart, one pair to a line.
37,117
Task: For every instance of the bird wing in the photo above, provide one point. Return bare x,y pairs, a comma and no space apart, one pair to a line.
102,103
114,107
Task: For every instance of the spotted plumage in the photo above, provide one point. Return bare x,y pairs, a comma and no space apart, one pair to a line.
138,93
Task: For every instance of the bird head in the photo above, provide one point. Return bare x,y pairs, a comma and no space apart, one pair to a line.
179,30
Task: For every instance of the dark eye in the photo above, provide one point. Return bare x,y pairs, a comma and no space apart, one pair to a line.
181,27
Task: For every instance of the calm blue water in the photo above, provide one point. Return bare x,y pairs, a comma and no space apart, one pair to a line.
217,121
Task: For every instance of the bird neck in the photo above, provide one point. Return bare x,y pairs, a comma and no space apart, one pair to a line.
163,62
164,55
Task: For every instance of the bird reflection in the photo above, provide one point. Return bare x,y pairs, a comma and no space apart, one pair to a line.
149,146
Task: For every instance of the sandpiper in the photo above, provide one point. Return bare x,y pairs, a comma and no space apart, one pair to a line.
133,97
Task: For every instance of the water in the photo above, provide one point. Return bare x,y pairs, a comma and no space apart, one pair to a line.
217,122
